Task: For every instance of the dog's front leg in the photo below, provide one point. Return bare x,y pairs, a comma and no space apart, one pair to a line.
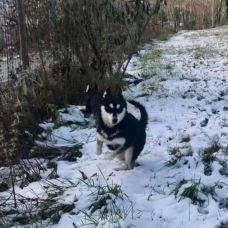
99,147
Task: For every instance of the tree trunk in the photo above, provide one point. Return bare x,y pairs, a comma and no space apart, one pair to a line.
226,8
219,13
53,23
213,13
22,34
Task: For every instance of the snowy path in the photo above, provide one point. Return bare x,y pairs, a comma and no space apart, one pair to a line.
187,102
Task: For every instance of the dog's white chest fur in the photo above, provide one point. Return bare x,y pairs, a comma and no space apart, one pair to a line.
119,140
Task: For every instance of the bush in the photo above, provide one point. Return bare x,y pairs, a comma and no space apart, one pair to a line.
103,35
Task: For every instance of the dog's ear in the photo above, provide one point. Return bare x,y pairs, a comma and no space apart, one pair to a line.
87,89
107,93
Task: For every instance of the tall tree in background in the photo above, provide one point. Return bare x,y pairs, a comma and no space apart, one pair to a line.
226,1
22,35
213,13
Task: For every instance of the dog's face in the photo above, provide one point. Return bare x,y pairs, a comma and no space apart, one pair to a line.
113,108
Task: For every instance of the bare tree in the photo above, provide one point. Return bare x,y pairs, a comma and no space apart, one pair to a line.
213,13
22,34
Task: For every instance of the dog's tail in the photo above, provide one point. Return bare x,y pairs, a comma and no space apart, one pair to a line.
144,115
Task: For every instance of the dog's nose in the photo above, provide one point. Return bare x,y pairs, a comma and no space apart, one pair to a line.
114,120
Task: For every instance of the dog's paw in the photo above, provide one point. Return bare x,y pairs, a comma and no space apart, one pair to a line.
98,152
109,156
122,168
125,167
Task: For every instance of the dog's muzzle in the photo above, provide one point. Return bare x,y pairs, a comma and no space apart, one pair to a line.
114,120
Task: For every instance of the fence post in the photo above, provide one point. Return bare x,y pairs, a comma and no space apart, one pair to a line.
22,35
53,23
213,13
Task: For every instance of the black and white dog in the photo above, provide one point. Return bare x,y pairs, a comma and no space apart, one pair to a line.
93,101
124,135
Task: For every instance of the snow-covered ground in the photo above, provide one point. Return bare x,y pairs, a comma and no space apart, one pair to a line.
182,177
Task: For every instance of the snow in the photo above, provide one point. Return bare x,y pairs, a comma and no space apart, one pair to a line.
73,114
195,88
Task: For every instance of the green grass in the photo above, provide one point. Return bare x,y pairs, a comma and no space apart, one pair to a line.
150,55
99,203
189,151
198,53
105,205
1,56
39,209
169,66
151,63
191,192
143,95
148,89
185,138
176,190
225,150
48,210
209,190
222,225
4,224
148,62
208,154
175,155
72,153
165,36
76,124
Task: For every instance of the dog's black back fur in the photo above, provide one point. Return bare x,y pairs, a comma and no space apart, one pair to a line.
93,100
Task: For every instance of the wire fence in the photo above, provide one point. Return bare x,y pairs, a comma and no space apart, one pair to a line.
9,43
37,16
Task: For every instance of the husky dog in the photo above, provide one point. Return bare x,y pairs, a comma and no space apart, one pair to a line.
123,134
93,100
